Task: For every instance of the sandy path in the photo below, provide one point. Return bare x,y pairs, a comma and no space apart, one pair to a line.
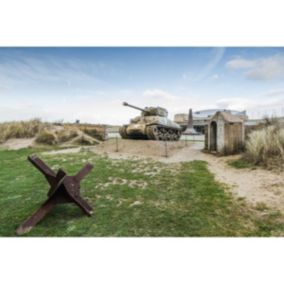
256,185
19,143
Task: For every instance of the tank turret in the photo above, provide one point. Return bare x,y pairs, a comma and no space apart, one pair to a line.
153,124
147,111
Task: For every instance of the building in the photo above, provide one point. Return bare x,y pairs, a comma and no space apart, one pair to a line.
201,118
225,133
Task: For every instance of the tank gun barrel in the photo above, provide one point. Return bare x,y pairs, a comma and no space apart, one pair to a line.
138,108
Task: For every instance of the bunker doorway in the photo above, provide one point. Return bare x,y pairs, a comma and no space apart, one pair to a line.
213,136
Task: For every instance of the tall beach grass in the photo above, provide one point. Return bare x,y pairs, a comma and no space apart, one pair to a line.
20,129
266,146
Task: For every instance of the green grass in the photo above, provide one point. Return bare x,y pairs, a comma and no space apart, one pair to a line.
130,198
241,164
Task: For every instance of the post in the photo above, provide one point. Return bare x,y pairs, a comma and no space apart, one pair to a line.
185,140
166,149
116,143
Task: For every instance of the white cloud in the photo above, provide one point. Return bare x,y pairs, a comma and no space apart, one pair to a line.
97,109
85,109
104,109
240,63
235,103
268,68
264,69
158,94
260,107
275,93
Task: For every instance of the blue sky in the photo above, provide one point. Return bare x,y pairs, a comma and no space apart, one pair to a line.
90,84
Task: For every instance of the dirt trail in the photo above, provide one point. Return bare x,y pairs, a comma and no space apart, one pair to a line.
19,143
256,186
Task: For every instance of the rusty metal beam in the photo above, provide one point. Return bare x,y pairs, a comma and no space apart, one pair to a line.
63,189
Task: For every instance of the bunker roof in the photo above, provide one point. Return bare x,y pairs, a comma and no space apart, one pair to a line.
227,117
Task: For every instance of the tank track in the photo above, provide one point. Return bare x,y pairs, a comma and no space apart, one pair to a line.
122,132
155,132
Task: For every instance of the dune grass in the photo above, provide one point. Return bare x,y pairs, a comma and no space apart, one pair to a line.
20,129
130,198
265,146
52,133
46,137
66,135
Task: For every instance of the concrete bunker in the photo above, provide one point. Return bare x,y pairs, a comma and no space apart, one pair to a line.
224,133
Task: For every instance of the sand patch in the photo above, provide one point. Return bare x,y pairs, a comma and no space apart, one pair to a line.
124,148
19,143
120,181
255,185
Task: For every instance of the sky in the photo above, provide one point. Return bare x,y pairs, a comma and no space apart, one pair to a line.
90,84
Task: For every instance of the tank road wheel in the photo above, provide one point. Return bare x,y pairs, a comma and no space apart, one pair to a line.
149,133
178,134
171,135
175,135
161,134
152,132
122,132
156,133
167,135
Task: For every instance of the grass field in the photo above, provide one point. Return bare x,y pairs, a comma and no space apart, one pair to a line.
241,164
130,198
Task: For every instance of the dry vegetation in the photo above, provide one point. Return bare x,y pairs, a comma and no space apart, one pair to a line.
265,146
52,133
46,137
91,131
66,135
20,129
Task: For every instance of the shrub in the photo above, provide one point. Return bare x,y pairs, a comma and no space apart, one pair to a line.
66,135
46,137
97,133
266,146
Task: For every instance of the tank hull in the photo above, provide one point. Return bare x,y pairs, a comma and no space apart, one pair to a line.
150,132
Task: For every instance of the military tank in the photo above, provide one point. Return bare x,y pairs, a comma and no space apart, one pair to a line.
152,124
